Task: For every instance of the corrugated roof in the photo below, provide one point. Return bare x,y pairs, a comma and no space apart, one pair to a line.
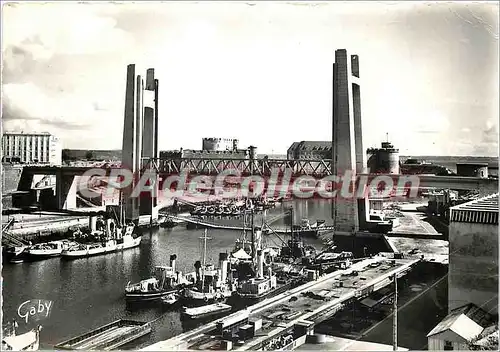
467,321
483,210
487,203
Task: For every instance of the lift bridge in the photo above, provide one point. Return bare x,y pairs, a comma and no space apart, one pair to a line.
67,177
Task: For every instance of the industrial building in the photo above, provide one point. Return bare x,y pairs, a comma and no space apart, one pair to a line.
20,147
311,150
383,160
219,144
473,246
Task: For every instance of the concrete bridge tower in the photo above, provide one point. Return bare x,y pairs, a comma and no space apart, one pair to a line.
140,139
347,140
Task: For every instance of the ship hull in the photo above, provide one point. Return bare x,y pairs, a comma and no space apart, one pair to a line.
84,253
148,296
244,300
134,243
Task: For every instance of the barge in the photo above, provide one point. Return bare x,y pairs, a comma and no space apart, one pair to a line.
205,311
107,337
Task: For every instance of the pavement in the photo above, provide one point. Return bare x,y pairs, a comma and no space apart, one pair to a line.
335,343
433,250
414,224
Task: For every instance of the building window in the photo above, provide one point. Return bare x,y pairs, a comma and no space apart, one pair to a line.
448,346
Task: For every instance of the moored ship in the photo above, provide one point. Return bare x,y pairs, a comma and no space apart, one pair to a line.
167,281
112,235
211,284
47,250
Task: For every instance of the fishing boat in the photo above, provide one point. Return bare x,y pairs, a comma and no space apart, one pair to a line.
28,341
113,234
82,250
47,250
211,284
167,281
205,311
254,269
125,237
15,254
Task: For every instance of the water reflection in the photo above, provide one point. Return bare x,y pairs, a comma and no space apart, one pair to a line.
89,292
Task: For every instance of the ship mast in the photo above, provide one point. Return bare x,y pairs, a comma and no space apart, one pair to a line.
205,238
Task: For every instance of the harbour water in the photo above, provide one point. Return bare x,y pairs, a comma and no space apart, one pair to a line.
88,293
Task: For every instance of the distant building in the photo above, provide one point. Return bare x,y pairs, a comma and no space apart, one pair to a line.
473,246
205,154
472,169
23,147
219,144
384,160
311,150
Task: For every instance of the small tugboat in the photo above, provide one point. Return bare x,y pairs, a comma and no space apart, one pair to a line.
211,284
28,341
205,311
165,283
255,275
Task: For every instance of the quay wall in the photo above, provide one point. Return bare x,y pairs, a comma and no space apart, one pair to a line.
11,174
35,228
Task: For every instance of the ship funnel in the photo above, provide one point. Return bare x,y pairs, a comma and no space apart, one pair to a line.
223,263
197,266
92,223
109,226
260,263
173,259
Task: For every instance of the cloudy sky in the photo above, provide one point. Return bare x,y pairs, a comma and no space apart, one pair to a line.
260,72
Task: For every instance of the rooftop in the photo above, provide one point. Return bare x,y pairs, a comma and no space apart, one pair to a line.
482,210
27,133
466,322
311,145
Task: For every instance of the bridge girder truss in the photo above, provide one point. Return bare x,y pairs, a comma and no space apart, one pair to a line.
261,167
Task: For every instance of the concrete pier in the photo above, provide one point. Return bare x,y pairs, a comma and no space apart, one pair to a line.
336,289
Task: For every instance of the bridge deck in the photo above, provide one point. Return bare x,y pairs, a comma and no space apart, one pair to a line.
275,312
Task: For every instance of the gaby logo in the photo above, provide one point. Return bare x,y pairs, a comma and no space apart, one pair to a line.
232,184
34,309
